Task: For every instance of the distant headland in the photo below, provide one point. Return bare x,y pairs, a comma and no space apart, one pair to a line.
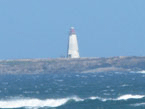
72,65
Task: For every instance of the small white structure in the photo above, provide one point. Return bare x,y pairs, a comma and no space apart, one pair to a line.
73,50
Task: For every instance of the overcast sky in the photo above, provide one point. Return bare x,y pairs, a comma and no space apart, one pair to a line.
40,28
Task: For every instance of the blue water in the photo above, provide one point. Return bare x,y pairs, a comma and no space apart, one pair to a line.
118,90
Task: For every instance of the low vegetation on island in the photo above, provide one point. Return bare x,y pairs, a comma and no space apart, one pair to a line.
68,65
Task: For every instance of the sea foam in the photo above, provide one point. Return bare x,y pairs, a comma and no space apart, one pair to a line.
37,103
129,96
31,103
142,71
123,97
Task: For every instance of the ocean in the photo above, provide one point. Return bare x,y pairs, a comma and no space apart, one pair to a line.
114,90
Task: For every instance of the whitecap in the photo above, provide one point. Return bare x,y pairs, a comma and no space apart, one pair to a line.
118,72
32,103
124,85
142,71
99,98
123,97
93,98
129,96
105,90
76,99
35,103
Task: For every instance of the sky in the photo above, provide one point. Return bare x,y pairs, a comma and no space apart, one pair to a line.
40,28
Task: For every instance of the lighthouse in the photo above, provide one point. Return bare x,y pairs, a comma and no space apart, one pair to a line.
73,50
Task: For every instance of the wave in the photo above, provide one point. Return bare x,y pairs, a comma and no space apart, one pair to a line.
123,97
138,104
37,103
142,71
129,96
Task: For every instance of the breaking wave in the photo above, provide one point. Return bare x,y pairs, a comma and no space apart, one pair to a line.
123,97
37,103
129,96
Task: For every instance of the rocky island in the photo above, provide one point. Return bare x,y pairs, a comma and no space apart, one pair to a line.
68,65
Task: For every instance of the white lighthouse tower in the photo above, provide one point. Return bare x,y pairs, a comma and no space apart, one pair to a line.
73,50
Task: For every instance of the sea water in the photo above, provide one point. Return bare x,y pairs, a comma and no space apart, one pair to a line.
118,90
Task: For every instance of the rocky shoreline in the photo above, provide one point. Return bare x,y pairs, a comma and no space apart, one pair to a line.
66,65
